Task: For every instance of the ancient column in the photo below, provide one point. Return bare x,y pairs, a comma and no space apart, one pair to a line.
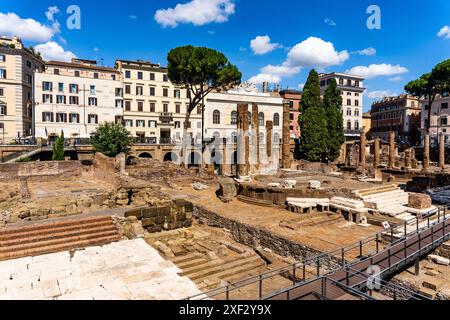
408,159
269,133
442,150
255,124
286,151
226,163
426,153
392,149
243,141
376,157
362,149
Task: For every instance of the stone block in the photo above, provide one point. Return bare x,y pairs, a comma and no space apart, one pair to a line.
428,293
134,213
439,260
432,284
227,189
419,201
148,222
150,213
181,216
315,185
432,273
163,211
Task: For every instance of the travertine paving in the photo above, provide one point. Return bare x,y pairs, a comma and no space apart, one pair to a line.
127,270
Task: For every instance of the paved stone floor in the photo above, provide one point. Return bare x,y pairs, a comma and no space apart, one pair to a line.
126,270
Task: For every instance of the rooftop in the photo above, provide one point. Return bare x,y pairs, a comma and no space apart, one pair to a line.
81,64
337,74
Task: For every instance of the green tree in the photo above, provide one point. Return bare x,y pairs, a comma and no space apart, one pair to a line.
313,122
200,70
58,148
111,139
311,92
430,85
332,102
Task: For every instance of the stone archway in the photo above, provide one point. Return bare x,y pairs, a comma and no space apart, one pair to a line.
145,155
170,157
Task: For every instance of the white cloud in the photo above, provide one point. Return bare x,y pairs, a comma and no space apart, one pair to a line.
262,77
444,32
281,71
132,17
53,51
396,79
376,70
197,12
27,29
366,52
262,45
301,86
50,13
211,32
330,22
378,94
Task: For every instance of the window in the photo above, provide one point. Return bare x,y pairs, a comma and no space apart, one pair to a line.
427,107
291,104
444,121
341,81
47,116
140,106
349,125
139,90
73,88
92,101
216,117
93,119
165,79
349,83
92,90
2,73
356,112
128,123
413,104
177,93
60,87
74,118
151,123
2,92
113,76
322,83
199,109
349,112
349,102
3,109
140,75
127,89
356,103
61,117
152,107
2,58
356,83
444,105
77,73
60,99
127,105
118,92
356,94
234,117
152,91
140,123
276,119
47,86
165,92
356,125
95,75
56,71
47,98
128,74
119,103
152,76
165,107
177,108
291,116
261,119
73,100
349,93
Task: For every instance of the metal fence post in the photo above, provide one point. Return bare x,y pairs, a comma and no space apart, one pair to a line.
228,293
405,228
304,271
389,257
318,267
378,244
417,224
260,286
360,248
432,234
295,273
439,215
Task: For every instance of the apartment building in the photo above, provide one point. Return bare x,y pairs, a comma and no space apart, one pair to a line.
440,117
17,66
76,97
352,90
294,97
400,114
154,108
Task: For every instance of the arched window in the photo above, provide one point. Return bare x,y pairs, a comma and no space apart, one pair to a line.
261,138
216,135
276,119
356,125
234,117
261,119
234,137
216,117
276,139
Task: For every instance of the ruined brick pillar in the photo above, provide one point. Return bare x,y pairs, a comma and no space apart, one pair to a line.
286,151
442,151
255,124
226,162
243,147
269,133
426,153
408,159
392,149
376,157
362,149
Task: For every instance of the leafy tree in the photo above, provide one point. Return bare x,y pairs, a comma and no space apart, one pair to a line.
430,85
332,102
311,92
111,139
200,70
58,148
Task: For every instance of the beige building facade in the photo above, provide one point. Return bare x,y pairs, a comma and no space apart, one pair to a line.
17,67
155,109
440,118
76,98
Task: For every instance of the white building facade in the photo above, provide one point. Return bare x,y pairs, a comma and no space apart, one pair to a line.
76,98
352,89
440,117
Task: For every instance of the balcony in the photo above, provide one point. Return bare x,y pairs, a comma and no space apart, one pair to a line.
166,117
165,141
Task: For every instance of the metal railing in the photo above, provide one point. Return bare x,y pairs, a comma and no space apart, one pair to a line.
333,260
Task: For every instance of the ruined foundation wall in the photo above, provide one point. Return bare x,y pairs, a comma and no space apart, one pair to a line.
40,170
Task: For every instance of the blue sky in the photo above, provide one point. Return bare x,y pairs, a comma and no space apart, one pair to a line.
328,35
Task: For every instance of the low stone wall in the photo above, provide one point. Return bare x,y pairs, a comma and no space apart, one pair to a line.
427,182
258,237
40,170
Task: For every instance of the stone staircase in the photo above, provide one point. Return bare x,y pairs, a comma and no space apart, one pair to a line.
388,200
56,236
208,274
254,201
